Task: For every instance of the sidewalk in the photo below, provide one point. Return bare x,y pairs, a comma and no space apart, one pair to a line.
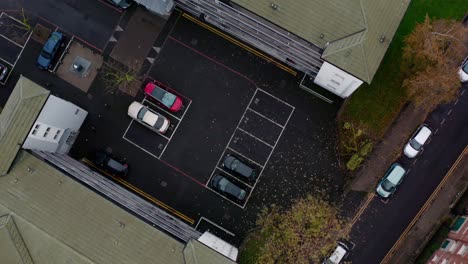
410,245
388,150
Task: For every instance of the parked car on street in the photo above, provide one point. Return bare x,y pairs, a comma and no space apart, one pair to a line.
148,117
463,72
168,99
124,4
225,186
233,164
340,253
49,50
103,160
389,183
417,141
3,72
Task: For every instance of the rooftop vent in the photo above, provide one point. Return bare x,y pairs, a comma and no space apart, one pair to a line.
274,6
382,39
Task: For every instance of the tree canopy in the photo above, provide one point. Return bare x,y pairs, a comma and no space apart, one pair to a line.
306,232
431,59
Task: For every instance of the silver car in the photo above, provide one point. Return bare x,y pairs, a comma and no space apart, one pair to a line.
389,183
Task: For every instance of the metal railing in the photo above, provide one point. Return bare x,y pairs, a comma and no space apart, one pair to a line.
258,32
147,211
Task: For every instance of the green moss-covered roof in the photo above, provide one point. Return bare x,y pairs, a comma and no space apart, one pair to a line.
17,117
54,211
352,28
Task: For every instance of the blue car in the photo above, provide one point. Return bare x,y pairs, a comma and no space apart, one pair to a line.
48,51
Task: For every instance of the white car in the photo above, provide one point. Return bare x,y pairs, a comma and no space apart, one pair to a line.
417,141
148,117
338,255
463,72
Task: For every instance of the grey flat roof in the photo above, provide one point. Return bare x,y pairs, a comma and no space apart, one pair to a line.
352,28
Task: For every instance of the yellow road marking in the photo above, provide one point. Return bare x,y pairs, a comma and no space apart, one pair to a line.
428,202
240,44
370,196
140,192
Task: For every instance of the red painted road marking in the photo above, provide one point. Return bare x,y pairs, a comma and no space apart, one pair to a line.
183,173
213,60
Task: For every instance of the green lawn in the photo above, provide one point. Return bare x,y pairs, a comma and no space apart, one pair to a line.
375,106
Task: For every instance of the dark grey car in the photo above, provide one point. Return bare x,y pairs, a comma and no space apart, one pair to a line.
233,164
110,164
225,186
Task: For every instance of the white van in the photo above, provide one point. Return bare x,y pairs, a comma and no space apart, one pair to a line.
340,253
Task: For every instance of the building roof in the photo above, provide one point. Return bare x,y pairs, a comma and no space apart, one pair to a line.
352,28
17,117
197,253
86,227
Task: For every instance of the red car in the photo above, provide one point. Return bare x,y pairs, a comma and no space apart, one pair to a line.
170,100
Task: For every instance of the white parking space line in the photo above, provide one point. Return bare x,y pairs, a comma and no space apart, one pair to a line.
222,196
213,223
250,109
277,99
269,156
17,58
134,144
228,173
175,129
254,137
245,157
230,139
6,62
160,108
11,41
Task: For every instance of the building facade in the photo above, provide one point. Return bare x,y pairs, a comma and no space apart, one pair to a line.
454,249
337,44
56,127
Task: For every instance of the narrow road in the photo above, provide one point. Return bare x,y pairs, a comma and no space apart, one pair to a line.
382,223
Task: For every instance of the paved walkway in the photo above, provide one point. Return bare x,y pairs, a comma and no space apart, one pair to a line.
417,235
388,150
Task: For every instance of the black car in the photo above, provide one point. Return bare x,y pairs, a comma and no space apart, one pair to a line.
225,186
110,164
235,165
3,72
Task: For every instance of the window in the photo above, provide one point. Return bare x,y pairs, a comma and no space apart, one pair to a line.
57,134
456,226
463,249
46,132
446,244
35,129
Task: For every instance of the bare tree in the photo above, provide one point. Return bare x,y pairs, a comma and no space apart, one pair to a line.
306,232
431,58
118,77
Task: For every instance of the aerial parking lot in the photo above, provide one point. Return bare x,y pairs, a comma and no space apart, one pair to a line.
239,107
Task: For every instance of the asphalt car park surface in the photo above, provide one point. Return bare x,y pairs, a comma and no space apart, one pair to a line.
90,20
236,103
